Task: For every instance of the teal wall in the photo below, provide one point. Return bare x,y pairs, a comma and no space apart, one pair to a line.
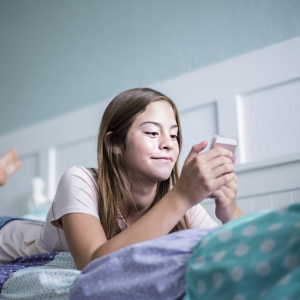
57,56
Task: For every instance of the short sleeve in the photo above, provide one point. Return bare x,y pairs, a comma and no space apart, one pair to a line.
77,192
200,218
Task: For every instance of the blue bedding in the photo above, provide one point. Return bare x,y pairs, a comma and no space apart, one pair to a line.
22,263
150,270
41,276
254,257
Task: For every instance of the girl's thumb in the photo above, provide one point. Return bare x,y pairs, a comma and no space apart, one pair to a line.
195,150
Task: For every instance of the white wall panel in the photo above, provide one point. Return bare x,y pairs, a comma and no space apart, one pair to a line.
198,124
262,203
269,179
15,194
269,123
83,153
296,196
282,199
246,205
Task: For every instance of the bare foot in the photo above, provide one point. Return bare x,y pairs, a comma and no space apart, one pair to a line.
9,164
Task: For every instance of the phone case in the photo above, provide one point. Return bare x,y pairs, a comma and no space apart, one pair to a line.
224,142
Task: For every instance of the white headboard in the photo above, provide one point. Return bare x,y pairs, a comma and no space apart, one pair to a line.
254,97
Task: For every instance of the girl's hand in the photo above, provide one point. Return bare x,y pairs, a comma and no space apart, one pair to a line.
226,206
202,174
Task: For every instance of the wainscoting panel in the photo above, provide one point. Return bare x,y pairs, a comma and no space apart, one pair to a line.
83,153
269,179
198,124
262,113
262,203
296,196
15,194
246,205
281,199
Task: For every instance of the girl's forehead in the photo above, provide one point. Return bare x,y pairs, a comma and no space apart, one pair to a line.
158,109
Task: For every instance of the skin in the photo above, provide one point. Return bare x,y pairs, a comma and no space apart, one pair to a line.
150,141
9,164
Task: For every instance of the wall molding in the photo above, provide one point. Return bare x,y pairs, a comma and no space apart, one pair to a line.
217,85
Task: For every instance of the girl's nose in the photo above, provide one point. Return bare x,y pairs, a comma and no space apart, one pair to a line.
166,143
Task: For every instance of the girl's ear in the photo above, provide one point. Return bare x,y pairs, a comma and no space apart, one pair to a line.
107,137
115,149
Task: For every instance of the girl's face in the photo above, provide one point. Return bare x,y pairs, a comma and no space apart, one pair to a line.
151,144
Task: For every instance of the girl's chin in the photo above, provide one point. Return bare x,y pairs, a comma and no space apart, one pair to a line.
154,174
161,177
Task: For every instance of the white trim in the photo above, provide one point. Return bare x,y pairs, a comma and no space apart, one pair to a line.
52,173
268,163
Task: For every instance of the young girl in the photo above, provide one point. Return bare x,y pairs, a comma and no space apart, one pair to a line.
136,193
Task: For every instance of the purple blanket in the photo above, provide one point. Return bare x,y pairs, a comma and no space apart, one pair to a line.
151,270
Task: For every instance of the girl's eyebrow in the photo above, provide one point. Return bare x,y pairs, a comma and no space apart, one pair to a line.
157,124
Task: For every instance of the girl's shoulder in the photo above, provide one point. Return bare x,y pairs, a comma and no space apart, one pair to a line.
79,174
77,192
78,182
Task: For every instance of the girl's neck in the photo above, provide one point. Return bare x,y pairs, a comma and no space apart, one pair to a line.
143,196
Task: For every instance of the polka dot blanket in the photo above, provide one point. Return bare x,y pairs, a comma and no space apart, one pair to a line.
251,258
38,277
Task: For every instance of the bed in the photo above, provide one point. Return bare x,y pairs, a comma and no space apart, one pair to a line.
253,257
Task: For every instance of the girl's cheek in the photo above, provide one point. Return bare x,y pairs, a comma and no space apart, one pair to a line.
146,143
142,147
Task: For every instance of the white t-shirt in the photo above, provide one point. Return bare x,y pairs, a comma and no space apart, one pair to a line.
77,192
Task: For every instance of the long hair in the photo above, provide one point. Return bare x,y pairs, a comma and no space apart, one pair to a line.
113,182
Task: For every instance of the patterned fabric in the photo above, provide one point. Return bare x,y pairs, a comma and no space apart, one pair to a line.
253,257
23,263
149,270
40,277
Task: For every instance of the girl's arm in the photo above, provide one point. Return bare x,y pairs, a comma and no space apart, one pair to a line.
201,175
87,241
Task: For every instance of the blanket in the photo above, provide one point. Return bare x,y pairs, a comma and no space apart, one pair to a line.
253,257
41,276
150,270
250,258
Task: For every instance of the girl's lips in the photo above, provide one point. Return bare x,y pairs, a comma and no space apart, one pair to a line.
163,159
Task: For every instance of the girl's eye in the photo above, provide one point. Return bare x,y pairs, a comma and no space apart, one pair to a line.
152,133
173,136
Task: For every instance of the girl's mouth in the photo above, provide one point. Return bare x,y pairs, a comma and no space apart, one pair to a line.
163,159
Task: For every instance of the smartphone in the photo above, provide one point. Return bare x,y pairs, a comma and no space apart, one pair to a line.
224,142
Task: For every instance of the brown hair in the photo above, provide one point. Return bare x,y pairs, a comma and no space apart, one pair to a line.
113,183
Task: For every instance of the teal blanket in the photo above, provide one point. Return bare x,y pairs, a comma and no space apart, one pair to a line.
253,257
